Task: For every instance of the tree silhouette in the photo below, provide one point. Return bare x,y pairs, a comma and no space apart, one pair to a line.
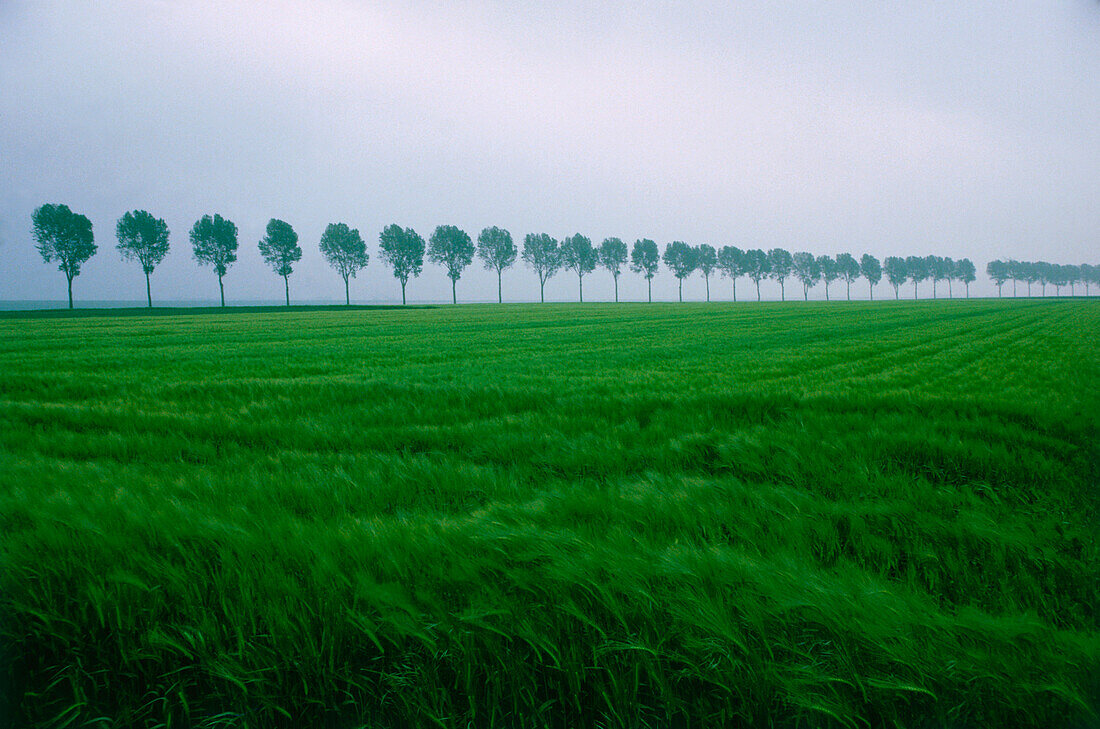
917,268
542,253
64,236
682,259
871,270
896,272
757,267
403,250
578,254
143,238
780,266
497,251
214,241
280,250
848,269
612,255
807,269
731,262
998,271
965,272
452,249
345,251
645,259
829,272
707,259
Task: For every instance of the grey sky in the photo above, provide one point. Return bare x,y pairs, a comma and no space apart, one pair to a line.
954,128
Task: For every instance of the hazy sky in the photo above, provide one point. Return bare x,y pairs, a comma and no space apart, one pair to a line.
956,128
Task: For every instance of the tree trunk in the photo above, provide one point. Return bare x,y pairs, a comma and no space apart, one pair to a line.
826,290
580,288
542,290
221,290
649,284
403,292
1014,288
805,292
968,289
933,288
758,290
999,290
735,289
849,284
914,289
347,293
500,297
681,291
782,291
950,291
871,289
286,283
616,277
454,292
708,287
897,294
70,291
148,292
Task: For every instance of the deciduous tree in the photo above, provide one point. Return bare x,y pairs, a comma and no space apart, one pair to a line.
214,241
497,251
645,259
613,254
965,272
542,253
707,259
63,236
917,269
896,272
829,272
345,251
143,238
780,266
451,248
682,259
578,255
731,262
403,250
757,267
807,269
281,251
871,270
848,269
998,272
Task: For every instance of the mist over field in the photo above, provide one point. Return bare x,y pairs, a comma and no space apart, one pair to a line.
953,130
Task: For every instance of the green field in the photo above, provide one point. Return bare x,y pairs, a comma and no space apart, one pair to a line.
800,515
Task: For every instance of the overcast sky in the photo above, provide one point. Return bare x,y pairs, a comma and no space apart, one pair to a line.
952,128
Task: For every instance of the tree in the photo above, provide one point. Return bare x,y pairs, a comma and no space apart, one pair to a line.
682,259
918,270
451,248
143,238
645,259
707,260
403,250
807,269
496,249
947,271
281,251
871,270
64,236
578,254
938,268
1088,275
214,241
731,262
612,255
965,272
998,271
542,253
848,269
1016,271
896,272
829,272
345,251
757,267
780,267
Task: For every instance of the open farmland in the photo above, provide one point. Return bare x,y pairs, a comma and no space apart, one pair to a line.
864,514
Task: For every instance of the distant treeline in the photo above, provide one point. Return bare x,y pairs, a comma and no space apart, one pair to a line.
1043,273
66,237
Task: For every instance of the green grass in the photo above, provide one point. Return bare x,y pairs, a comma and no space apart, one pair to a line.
798,515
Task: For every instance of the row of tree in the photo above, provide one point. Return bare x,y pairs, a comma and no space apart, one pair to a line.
1043,273
65,236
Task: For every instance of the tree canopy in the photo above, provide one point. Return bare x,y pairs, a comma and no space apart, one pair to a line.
731,262
542,253
613,255
63,236
896,272
645,259
451,248
807,269
681,259
345,251
707,260
143,238
780,266
497,251
214,242
281,251
403,251
577,254
870,269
